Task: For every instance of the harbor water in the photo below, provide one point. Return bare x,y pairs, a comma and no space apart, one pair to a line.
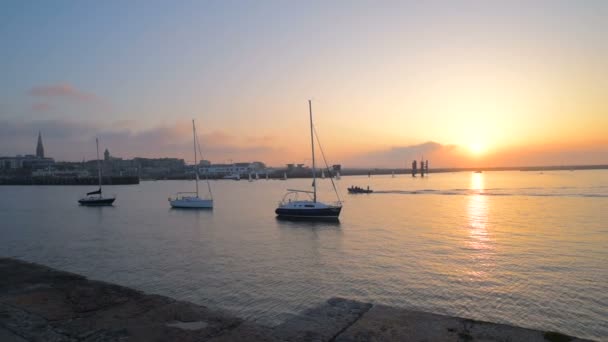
522,248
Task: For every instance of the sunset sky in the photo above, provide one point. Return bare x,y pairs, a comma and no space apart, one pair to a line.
462,83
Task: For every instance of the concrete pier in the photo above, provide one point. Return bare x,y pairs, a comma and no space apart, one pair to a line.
38,303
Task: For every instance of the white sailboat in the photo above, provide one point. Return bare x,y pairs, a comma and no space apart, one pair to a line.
308,208
95,198
284,176
192,199
250,179
257,176
322,174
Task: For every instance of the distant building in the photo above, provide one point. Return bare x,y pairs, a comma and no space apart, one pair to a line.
25,162
39,147
219,170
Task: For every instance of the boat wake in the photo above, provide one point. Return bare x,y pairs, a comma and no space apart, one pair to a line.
532,192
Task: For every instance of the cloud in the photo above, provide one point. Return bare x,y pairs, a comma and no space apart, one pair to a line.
402,156
41,107
75,140
62,91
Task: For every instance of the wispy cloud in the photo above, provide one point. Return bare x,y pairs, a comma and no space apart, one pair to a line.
63,91
41,107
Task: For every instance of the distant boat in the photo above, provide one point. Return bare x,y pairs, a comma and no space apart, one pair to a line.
322,174
358,190
95,198
192,199
478,171
250,179
284,176
308,208
338,175
257,176
266,175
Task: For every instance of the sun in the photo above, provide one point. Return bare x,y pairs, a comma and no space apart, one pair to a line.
477,148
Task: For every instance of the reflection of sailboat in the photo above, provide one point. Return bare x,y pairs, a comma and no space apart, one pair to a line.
91,199
308,208
186,199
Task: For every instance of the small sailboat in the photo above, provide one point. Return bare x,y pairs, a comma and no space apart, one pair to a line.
250,179
292,207
284,176
95,198
266,175
192,199
322,174
338,175
257,176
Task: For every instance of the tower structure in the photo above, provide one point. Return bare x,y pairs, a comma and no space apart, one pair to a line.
39,147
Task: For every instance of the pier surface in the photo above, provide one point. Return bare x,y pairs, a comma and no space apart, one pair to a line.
38,303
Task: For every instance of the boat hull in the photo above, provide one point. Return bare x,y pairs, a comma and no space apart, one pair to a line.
190,203
311,213
363,191
96,202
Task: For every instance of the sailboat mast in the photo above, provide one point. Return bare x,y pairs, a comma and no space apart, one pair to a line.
312,144
98,165
195,161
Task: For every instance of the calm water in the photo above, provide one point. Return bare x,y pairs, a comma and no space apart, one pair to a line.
523,248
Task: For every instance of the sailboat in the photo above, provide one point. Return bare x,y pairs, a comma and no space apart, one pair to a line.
250,179
284,176
292,207
95,198
322,174
192,199
257,176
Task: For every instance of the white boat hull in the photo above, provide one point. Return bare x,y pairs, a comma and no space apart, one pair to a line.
192,202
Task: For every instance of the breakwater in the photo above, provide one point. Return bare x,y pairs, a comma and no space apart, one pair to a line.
38,303
114,180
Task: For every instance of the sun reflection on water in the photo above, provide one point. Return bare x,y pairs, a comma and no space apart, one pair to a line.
480,241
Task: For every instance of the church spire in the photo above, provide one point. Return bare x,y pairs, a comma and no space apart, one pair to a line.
39,147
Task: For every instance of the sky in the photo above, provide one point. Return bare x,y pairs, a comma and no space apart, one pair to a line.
460,83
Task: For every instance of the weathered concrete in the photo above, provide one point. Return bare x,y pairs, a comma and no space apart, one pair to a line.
38,303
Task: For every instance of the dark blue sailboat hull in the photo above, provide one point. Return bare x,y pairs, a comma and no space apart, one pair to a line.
332,212
96,202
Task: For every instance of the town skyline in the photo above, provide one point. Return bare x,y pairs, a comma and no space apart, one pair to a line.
465,84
